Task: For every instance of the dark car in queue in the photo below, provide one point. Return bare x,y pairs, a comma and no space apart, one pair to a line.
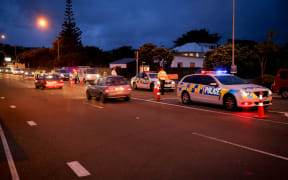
48,81
63,73
106,87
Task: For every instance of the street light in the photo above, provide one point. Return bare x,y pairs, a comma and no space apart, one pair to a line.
42,22
3,36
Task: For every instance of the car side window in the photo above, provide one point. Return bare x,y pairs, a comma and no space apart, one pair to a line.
138,76
188,79
284,75
206,80
196,79
145,76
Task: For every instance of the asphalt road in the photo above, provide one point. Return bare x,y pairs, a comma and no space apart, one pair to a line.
72,138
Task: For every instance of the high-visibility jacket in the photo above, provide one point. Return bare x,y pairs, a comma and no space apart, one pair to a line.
114,73
162,75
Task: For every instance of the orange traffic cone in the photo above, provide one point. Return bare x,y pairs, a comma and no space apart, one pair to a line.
81,81
71,82
155,89
260,107
158,94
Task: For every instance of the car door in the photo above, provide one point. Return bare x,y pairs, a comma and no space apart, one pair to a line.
139,80
210,90
145,81
95,88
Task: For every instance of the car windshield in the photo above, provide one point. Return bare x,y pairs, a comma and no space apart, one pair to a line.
229,80
116,81
153,76
52,77
92,71
63,71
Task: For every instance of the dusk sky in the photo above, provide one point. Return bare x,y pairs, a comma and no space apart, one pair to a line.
109,24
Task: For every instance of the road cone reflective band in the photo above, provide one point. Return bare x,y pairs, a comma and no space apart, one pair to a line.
158,94
261,107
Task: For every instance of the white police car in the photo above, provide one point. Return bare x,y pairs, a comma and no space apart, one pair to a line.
148,80
218,87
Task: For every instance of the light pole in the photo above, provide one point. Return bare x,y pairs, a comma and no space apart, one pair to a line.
137,61
233,67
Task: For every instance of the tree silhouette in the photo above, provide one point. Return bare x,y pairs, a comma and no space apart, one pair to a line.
70,36
200,36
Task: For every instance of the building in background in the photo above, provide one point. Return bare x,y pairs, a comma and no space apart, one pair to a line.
191,55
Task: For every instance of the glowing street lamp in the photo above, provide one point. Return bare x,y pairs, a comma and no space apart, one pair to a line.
3,36
42,22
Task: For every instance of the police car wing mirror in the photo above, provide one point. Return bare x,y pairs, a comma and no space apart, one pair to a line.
213,84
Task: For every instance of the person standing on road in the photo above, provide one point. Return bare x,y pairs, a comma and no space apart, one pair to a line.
76,76
162,76
114,73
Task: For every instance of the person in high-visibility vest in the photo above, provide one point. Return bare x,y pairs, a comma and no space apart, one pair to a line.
114,73
76,76
162,76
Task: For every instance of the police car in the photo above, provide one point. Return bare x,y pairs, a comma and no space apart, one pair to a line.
218,87
148,80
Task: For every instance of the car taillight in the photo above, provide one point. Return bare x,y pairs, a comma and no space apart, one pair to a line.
129,89
107,90
61,81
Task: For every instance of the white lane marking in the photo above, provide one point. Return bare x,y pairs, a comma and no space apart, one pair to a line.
93,105
276,112
217,112
12,106
2,97
78,169
137,117
286,114
168,98
241,146
31,123
9,156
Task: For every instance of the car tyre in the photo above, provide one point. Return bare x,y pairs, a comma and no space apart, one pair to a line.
135,86
185,98
42,87
127,98
230,103
89,97
284,94
152,87
102,98
36,87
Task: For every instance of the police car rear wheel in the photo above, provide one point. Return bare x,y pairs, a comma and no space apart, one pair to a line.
88,96
230,103
185,98
134,85
284,94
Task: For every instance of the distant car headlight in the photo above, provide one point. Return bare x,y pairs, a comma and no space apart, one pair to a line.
173,82
270,92
97,75
26,73
88,76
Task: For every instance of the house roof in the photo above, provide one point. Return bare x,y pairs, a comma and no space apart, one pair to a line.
123,61
192,47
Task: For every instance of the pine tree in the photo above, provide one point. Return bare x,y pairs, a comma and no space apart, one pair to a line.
70,36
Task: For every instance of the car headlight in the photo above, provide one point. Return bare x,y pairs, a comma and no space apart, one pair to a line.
270,92
172,82
245,94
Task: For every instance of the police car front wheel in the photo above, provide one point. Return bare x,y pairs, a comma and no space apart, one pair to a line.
230,103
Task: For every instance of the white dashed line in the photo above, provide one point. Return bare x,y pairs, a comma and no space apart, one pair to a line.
9,156
12,106
93,105
206,110
286,114
241,146
78,169
31,123
2,97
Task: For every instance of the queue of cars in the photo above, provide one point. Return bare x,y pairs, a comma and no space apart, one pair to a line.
212,87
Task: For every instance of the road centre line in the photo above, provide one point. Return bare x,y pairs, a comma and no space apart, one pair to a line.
9,156
206,110
31,123
93,105
78,169
241,146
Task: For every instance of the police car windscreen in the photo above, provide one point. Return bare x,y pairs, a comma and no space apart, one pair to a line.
91,71
229,80
52,77
153,76
116,81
